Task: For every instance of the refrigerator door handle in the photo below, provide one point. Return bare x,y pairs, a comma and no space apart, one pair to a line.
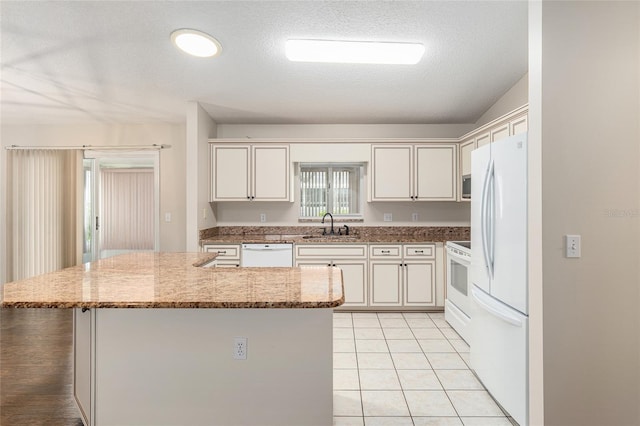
484,220
495,309
491,189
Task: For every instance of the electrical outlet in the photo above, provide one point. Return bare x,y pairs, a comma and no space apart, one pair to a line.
263,217
572,245
414,217
387,217
204,213
167,217
239,348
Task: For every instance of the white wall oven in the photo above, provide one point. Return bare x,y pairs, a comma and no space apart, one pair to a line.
458,305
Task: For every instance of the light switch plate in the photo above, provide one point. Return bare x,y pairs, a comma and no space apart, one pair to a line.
572,246
387,217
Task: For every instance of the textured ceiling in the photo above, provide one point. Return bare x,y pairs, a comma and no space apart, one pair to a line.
110,61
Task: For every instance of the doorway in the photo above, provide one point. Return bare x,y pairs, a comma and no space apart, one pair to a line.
121,203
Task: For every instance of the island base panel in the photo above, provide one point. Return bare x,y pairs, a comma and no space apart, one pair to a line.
176,367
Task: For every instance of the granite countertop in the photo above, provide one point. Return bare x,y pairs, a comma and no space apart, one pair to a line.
176,280
313,235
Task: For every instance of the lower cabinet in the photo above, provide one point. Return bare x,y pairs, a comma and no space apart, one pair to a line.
374,275
402,275
385,283
354,278
228,254
419,283
352,259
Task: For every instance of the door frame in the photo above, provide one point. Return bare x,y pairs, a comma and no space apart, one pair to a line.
127,158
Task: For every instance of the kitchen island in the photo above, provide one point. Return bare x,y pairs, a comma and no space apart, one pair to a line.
154,339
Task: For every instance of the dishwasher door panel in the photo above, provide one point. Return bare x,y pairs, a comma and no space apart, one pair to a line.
267,255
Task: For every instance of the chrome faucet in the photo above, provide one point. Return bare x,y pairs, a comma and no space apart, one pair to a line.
324,231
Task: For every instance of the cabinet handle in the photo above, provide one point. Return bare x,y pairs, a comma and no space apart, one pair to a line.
386,251
222,252
419,251
85,309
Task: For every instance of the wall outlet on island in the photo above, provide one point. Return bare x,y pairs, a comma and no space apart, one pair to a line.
414,217
239,348
263,217
387,217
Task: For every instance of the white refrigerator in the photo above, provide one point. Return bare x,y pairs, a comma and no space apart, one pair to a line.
499,307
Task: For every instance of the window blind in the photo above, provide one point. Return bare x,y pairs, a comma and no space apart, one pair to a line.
45,192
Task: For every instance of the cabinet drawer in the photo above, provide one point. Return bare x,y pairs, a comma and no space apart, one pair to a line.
422,251
227,251
380,251
331,251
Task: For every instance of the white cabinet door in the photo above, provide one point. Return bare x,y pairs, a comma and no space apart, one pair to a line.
391,173
230,173
270,173
465,157
250,173
519,125
419,283
354,278
500,132
435,173
483,139
385,282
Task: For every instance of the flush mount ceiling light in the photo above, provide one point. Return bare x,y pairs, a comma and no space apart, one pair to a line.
354,52
196,43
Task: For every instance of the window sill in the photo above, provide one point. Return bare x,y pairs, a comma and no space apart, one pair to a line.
341,219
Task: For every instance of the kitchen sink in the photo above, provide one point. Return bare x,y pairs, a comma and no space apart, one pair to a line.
329,237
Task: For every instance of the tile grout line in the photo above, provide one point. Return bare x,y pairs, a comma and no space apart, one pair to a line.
396,371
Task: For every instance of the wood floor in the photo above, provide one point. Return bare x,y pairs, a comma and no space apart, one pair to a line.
36,368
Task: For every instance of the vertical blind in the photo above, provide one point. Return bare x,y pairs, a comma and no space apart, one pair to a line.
329,189
44,192
127,204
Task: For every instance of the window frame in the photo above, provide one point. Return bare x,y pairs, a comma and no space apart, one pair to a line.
329,168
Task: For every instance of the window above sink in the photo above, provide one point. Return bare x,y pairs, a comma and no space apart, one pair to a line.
331,187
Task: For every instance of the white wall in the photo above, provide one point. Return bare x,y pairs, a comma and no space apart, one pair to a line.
513,98
200,127
589,101
172,164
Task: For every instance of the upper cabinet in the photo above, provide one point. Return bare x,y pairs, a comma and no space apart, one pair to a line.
250,173
508,125
425,172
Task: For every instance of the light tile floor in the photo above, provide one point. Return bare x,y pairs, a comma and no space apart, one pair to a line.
405,369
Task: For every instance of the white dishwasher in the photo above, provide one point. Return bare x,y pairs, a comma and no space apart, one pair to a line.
267,255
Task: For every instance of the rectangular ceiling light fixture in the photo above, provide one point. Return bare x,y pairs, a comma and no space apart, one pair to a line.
354,52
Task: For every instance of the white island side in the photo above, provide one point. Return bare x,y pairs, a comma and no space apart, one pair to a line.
163,354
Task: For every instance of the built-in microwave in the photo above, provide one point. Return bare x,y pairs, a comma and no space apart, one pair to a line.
466,187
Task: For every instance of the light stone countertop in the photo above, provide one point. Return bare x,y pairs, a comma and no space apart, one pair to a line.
175,280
